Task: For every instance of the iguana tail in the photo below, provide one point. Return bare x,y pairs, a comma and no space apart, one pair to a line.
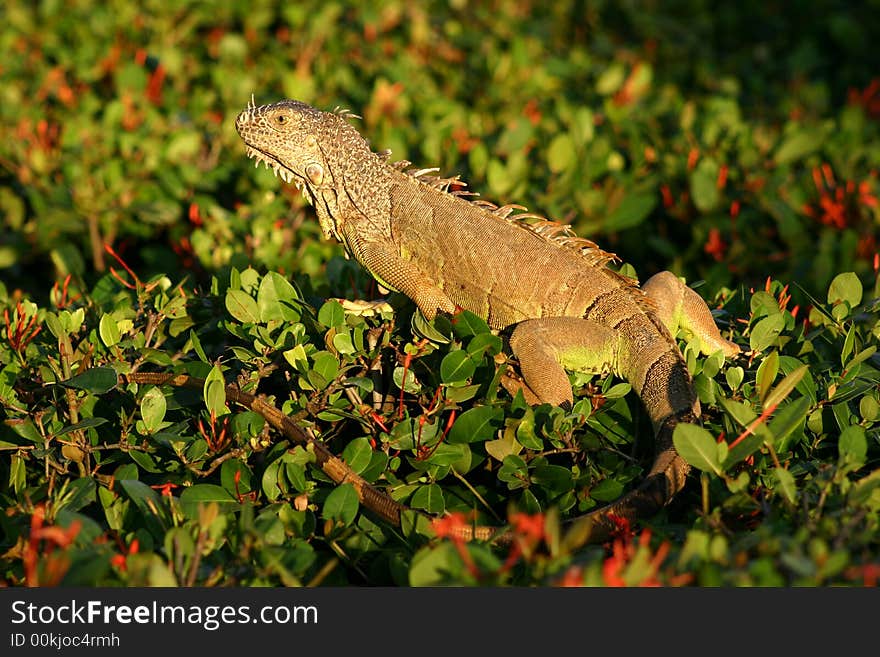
664,480
664,385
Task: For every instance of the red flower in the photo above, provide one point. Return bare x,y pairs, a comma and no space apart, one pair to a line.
734,209
165,489
715,246
455,527
721,183
574,576
528,527
54,567
119,560
625,551
868,98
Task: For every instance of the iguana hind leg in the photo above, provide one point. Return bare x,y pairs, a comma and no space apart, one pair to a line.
547,347
679,307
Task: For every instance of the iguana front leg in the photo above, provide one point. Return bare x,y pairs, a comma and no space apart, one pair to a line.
384,263
679,307
546,347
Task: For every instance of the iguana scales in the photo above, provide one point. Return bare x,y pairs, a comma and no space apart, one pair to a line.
564,307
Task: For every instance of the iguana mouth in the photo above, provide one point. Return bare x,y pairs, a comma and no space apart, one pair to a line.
286,174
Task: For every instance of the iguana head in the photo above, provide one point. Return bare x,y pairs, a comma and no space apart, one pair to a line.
297,141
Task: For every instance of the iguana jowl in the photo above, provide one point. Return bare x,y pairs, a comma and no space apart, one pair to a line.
566,308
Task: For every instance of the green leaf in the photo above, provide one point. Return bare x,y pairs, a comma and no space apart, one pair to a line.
96,380
87,423
766,374
197,345
242,306
273,481
326,364
53,323
525,432
466,324
296,475
869,408
331,314
80,493
457,366
734,377
438,331
459,456
377,465
606,490
764,304
862,356
704,185
411,385
789,418
864,488
153,408
611,79
227,476
514,472
430,498
476,424
145,461
798,145
786,484
358,454
504,446
484,343
847,288
632,211
744,415
784,388
341,504
144,497
277,299
192,496
766,332
343,343
434,564
296,355
214,392
555,478
108,330
617,391
697,446
849,344
17,473
561,154
853,445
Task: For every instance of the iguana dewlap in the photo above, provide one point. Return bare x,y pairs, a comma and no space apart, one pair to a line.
565,307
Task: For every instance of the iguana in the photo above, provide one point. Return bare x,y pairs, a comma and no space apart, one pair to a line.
417,233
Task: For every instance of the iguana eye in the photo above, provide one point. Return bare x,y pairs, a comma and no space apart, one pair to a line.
281,119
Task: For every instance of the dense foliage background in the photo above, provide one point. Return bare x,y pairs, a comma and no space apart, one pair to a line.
735,145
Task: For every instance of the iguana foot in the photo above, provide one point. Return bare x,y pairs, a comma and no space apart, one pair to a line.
365,308
513,384
679,307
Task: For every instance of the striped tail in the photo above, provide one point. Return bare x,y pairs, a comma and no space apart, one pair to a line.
664,384
664,480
